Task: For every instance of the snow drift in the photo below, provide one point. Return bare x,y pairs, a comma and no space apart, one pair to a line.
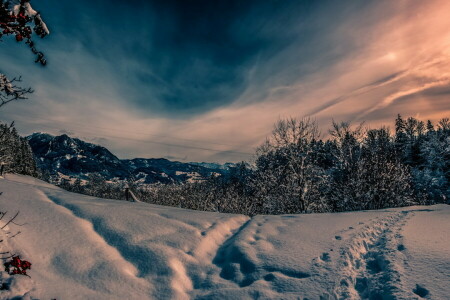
89,248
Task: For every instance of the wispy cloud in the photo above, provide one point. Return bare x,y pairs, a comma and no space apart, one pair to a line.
205,82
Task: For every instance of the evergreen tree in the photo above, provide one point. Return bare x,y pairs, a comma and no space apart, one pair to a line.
431,180
385,182
15,152
430,127
400,135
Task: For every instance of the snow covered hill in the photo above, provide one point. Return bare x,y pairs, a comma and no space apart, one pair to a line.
82,247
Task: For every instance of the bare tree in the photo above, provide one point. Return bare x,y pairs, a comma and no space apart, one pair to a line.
288,179
10,91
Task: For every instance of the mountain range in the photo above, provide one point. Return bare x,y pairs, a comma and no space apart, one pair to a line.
67,157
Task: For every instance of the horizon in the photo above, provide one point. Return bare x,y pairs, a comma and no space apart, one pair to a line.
206,81
321,137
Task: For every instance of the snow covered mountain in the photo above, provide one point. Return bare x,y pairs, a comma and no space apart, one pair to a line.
83,247
64,156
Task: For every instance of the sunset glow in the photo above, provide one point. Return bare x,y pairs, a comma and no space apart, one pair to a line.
206,82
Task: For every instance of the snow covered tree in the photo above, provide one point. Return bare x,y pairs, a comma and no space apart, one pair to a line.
235,193
385,180
16,17
288,178
367,173
15,152
444,132
414,130
400,136
431,176
347,162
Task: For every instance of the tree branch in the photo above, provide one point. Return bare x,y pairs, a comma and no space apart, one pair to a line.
12,219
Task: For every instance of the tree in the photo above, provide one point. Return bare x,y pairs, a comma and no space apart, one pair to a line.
288,178
344,194
444,125
400,137
430,127
385,180
15,152
367,173
15,19
431,176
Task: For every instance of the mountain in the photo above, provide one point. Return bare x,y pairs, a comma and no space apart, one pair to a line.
66,157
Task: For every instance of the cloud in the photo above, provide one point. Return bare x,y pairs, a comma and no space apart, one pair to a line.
205,80
63,131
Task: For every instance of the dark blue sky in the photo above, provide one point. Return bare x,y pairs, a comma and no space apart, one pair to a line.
188,57
205,80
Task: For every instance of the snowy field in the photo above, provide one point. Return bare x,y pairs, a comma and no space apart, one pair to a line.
83,247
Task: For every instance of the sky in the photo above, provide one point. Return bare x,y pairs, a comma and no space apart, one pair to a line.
194,80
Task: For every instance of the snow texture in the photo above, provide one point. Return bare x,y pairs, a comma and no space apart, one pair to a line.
88,248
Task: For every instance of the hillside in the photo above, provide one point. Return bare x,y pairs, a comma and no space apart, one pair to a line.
66,157
88,248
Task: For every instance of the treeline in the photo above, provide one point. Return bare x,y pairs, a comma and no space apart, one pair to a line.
297,172
16,155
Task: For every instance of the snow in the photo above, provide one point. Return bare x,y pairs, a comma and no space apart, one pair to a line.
192,176
426,247
83,247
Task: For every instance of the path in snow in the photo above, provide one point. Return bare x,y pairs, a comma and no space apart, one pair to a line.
298,255
88,248
371,265
96,249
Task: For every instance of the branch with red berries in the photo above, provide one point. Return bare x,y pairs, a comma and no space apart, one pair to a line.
16,266
15,19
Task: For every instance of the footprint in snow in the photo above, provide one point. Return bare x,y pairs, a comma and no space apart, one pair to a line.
325,256
420,291
269,277
401,247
